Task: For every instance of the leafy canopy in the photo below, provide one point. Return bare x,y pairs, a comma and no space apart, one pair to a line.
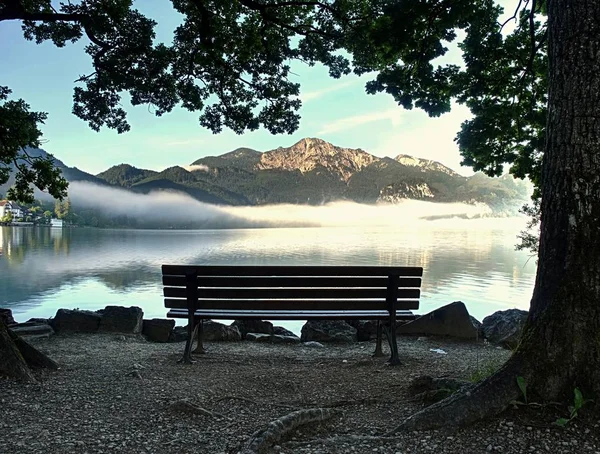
230,62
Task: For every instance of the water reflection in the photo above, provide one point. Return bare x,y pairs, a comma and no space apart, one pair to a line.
43,269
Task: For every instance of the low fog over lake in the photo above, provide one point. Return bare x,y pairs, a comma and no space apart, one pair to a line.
465,256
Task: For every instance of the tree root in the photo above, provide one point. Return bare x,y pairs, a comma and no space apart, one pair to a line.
473,404
336,441
34,358
12,363
364,400
262,439
184,406
255,402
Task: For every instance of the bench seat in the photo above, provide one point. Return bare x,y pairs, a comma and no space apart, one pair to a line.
290,315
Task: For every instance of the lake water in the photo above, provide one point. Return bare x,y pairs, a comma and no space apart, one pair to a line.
44,269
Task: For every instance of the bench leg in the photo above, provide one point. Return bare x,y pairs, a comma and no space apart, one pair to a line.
200,329
187,353
394,359
378,350
390,334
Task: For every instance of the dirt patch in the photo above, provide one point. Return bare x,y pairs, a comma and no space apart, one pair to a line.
118,393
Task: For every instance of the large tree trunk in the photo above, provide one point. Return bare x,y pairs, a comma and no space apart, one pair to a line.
560,347
562,339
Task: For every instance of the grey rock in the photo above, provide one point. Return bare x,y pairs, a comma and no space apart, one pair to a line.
39,321
280,339
452,320
505,327
280,330
76,321
32,329
365,329
258,337
478,326
313,344
7,317
158,329
214,331
118,319
253,326
328,331
179,334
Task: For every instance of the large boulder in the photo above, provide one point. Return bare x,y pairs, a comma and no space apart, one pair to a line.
118,319
158,329
32,328
214,331
76,321
452,320
253,326
365,329
282,339
281,331
7,317
505,327
179,334
258,337
328,331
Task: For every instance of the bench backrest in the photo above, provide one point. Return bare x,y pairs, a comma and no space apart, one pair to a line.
292,288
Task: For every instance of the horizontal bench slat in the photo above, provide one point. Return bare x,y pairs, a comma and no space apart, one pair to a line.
291,315
290,281
283,293
306,305
181,270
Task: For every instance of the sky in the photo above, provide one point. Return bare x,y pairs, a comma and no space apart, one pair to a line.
338,111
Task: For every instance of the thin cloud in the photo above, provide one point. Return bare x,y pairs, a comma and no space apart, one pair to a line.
394,115
427,138
316,94
194,167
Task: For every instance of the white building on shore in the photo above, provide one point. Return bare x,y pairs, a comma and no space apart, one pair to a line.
58,223
13,207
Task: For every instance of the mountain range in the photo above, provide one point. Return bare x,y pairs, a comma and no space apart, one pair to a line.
313,172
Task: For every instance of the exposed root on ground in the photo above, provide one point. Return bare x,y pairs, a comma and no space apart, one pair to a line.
18,357
488,398
185,406
364,400
262,439
251,401
336,441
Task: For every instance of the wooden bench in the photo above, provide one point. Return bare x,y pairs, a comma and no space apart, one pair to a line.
382,293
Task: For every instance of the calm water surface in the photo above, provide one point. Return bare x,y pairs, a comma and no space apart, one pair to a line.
43,269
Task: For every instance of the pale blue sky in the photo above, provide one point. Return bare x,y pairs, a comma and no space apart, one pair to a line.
335,110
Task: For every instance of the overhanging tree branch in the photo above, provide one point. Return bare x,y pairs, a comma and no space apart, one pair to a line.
84,20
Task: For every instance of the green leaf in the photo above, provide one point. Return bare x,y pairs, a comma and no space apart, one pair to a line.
579,400
522,386
561,422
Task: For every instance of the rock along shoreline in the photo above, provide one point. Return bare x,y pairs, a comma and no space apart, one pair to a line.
451,321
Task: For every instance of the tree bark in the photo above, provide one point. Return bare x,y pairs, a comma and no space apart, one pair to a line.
561,343
12,363
560,346
34,358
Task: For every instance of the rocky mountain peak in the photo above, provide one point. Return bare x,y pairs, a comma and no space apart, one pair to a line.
311,153
424,164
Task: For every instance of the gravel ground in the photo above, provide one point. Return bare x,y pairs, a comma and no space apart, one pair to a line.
118,393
